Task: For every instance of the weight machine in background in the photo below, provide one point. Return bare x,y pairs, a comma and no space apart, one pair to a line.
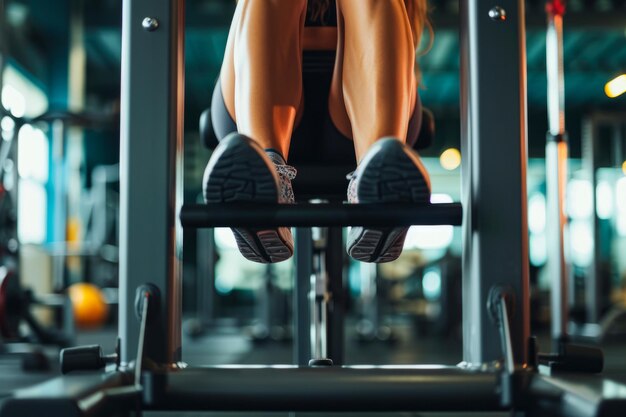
603,152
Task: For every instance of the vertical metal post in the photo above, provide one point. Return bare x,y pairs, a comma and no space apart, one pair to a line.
263,304
556,172
494,146
205,276
302,286
370,314
74,135
593,297
60,201
597,283
337,306
319,301
150,171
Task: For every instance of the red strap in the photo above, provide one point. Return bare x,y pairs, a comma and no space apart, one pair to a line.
556,7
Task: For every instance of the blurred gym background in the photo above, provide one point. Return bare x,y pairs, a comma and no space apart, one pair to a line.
59,195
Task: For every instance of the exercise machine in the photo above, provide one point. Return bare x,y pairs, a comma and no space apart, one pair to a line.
317,182
16,301
271,302
147,372
596,325
603,136
556,172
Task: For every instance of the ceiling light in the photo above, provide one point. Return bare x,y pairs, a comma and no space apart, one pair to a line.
616,87
450,159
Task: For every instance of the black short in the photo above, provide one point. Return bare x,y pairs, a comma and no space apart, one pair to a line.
315,138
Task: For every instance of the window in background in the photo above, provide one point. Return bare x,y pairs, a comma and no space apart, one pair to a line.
620,205
22,98
537,227
436,238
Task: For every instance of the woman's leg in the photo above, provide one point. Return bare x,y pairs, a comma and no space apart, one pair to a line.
261,76
261,84
374,94
373,89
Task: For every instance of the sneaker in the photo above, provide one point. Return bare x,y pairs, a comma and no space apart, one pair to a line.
391,172
240,171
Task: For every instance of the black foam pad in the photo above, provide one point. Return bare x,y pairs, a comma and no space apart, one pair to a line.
424,140
207,134
427,130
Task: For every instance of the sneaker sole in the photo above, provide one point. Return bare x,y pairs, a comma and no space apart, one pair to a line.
239,174
390,177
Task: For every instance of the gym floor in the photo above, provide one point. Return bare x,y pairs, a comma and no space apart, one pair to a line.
229,345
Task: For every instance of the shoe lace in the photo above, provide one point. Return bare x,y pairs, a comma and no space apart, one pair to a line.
287,170
352,196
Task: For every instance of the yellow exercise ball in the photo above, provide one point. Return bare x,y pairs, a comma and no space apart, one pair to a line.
89,305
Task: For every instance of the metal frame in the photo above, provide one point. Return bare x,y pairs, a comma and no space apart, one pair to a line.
150,171
494,146
557,150
598,325
493,143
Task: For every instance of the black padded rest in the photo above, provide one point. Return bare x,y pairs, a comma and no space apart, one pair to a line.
319,215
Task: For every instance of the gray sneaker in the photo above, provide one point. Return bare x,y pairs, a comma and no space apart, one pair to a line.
391,172
240,171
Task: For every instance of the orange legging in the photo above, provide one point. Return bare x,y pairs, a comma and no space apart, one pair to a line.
261,76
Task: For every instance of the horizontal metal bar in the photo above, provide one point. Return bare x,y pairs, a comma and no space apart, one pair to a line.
105,22
319,215
285,388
